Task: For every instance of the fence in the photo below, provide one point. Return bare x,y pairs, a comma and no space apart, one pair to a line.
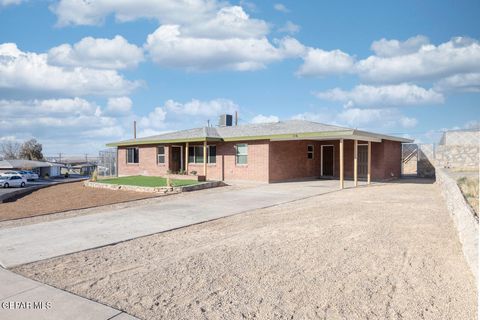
107,162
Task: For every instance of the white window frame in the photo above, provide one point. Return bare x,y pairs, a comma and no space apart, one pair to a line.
236,154
311,152
161,154
208,154
138,155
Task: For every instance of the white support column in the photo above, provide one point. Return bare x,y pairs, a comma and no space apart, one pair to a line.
341,164
186,157
205,158
369,161
355,162
182,161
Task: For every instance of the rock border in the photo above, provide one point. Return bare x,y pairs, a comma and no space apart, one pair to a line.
161,190
463,217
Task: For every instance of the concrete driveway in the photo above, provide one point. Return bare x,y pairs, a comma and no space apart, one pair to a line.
24,244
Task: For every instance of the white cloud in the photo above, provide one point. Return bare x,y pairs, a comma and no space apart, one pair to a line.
318,62
264,119
27,73
429,62
408,122
323,116
289,27
154,120
114,53
119,105
169,47
74,12
228,22
393,48
355,117
365,96
467,82
4,3
196,107
59,122
414,61
280,7
370,119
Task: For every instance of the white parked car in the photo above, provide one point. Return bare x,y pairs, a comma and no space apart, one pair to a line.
29,175
7,181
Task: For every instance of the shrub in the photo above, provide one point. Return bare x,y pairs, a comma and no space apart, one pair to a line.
169,182
94,176
193,172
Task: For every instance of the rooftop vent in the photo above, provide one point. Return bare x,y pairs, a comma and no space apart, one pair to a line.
225,120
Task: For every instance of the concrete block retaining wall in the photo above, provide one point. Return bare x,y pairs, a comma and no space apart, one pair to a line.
457,156
463,217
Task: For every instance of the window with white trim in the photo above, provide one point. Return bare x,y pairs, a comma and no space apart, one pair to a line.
132,155
161,155
310,152
195,154
241,153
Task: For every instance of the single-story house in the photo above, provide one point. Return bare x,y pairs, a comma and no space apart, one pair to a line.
84,169
42,168
267,152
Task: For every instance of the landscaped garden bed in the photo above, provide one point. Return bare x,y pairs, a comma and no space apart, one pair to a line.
152,184
144,181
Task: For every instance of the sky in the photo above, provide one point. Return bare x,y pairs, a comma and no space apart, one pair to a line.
75,74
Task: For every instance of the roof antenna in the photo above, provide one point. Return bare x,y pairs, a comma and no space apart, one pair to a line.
236,118
134,129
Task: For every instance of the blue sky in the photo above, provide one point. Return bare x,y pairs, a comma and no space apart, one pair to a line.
75,74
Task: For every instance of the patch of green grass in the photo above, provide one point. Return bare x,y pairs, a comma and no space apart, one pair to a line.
143,181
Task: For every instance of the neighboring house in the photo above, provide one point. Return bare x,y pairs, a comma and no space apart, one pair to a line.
267,152
42,168
84,169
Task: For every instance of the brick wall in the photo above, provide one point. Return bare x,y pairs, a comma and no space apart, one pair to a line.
147,165
226,167
270,161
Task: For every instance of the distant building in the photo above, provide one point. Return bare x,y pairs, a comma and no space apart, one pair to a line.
42,168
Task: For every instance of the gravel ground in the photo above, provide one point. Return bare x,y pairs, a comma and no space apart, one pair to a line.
108,207
381,252
64,197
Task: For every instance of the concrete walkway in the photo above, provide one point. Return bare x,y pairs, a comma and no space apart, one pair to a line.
22,298
40,241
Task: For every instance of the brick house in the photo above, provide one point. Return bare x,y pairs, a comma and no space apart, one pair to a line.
267,152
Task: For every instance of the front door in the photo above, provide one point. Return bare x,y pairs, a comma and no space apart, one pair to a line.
327,161
176,159
362,161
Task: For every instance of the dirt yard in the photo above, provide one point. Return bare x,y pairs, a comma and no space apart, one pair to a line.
382,252
64,197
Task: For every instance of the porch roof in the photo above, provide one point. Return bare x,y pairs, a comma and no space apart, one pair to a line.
282,130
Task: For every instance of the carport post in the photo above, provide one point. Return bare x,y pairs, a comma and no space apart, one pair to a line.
341,163
186,157
369,161
205,159
355,162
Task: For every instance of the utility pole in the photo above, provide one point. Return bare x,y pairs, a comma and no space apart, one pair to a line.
86,157
59,157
